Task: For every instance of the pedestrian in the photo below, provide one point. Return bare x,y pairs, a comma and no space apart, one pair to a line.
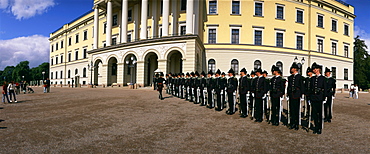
160,82
18,88
24,87
351,90
5,93
11,89
355,92
47,85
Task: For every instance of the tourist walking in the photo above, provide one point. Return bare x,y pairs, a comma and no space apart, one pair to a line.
355,92
5,93
11,89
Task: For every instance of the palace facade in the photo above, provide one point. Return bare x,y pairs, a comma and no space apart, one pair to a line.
125,41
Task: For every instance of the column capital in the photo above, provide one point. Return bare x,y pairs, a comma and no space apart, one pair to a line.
96,6
106,1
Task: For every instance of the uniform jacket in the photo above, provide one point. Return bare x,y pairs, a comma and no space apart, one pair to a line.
210,83
261,87
202,82
244,85
277,86
232,84
307,83
217,84
331,85
319,88
295,86
253,84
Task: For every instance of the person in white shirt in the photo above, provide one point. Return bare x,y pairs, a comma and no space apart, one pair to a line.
11,89
355,92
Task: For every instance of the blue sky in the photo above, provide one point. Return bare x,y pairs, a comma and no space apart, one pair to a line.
25,26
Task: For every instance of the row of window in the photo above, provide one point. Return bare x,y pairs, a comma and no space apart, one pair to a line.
258,64
280,13
84,71
258,40
84,56
69,41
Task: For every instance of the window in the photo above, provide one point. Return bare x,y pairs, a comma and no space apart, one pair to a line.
51,75
69,56
320,21
234,36
114,41
115,20
257,64
70,41
85,53
346,29
114,68
61,58
61,74
235,66
345,86
212,65
129,15
346,51
52,48
235,7
52,61
299,42
334,72
56,74
76,71
258,37
61,44
69,74
299,16
182,30
258,9
212,7
84,72
280,65
279,39
334,25
183,5
56,60
128,37
211,36
334,48
56,46
279,12
346,74
76,38
320,45
105,28
76,55
85,35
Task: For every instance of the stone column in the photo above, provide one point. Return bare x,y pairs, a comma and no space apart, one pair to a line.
124,21
175,18
104,74
120,73
154,18
165,20
189,16
109,23
162,65
140,73
144,14
96,27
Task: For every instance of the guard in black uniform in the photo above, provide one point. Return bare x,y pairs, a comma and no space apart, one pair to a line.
182,85
217,88
295,93
251,93
308,91
175,81
191,86
265,101
319,89
196,88
160,84
232,85
277,91
167,83
202,85
210,87
223,89
244,88
259,94
187,86
330,95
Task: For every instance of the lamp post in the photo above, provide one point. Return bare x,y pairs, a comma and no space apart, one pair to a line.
23,77
131,63
91,68
300,64
43,77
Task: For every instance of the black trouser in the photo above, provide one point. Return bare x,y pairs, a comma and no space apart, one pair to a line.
196,94
180,91
160,94
210,98
327,108
308,108
201,100
186,92
191,94
294,111
12,93
275,109
251,99
223,101
317,113
258,108
265,103
230,99
243,104
219,102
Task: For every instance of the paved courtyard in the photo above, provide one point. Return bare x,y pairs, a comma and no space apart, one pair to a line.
114,120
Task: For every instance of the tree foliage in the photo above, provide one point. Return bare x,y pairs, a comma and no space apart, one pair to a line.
11,73
361,64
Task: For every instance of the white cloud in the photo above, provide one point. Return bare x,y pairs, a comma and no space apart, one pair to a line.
34,49
23,9
363,36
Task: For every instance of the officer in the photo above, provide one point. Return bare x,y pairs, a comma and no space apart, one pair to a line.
232,85
318,93
174,79
223,89
261,89
181,85
210,86
252,91
187,86
191,86
330,95
160,82
244,88
196,86
167,85
265,101
277,91
202,85
217,88
308,90
295,93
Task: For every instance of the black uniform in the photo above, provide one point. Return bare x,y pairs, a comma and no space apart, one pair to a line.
223,85
160,83
308,91
202,84
217,88
277,90
196,87
318,93
210,85
191,88
252,91
232,85
244,88
259,93
186,84
168,84
331,85
295,91
267,80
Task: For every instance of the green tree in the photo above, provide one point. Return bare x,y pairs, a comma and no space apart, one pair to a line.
361,64
7,73
22,69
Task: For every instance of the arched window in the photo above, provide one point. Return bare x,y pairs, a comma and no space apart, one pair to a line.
69,74
235,66
51,75
84,72
56,74
61,74
76,71
212,65
280,65
257,64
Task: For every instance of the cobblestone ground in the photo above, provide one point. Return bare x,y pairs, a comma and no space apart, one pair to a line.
113,120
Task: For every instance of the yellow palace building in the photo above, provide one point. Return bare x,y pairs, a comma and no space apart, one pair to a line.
125,41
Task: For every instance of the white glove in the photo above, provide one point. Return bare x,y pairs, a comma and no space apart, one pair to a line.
264,96
247,95
287,98
252,94
333,97
326,99
281,98
302,98
309,102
